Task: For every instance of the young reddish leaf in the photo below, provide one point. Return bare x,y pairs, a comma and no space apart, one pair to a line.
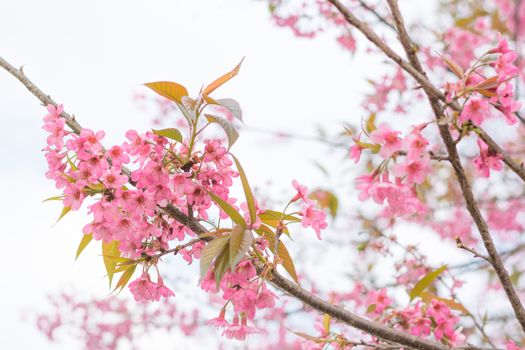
231,133
83,244
172,91
489,83
212,250
228,209
124,278
222,79
487,93
427,298
210,100
247,191
110,253
426,281
231,105
170,133
240,242
454,67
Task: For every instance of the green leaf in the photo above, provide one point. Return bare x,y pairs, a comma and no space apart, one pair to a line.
222,79
83,244
221,266
371,123
282,252
125,265
110,254
277,215
231,133
247,191
240,242
228,209
326,200
125,277
55,198
333,205
189,115
326,323
170,133
428,297
426,281
231,105
172,91
210,252
64,212
71,164
371,308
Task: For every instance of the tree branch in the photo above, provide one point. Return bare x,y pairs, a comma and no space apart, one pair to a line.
275,278
411,69
468,195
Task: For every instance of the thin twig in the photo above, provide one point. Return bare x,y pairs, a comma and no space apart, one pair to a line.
473,251
376,14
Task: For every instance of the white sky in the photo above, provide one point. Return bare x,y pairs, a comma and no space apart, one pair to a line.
91,56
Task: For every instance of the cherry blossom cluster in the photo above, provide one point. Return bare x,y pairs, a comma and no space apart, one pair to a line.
298,18
246,292
144,290
108,323
412,165
311,215
162,173
484,93
432,320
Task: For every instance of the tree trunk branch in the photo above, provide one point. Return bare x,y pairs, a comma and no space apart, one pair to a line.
468,195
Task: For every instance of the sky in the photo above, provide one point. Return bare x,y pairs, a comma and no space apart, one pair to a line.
93,56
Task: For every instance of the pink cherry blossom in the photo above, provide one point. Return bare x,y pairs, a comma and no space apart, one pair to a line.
239,331
302,191
313,217
219,322
143,289
388,138
415,170
487,160
380,300
476,109
162,291
512,346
